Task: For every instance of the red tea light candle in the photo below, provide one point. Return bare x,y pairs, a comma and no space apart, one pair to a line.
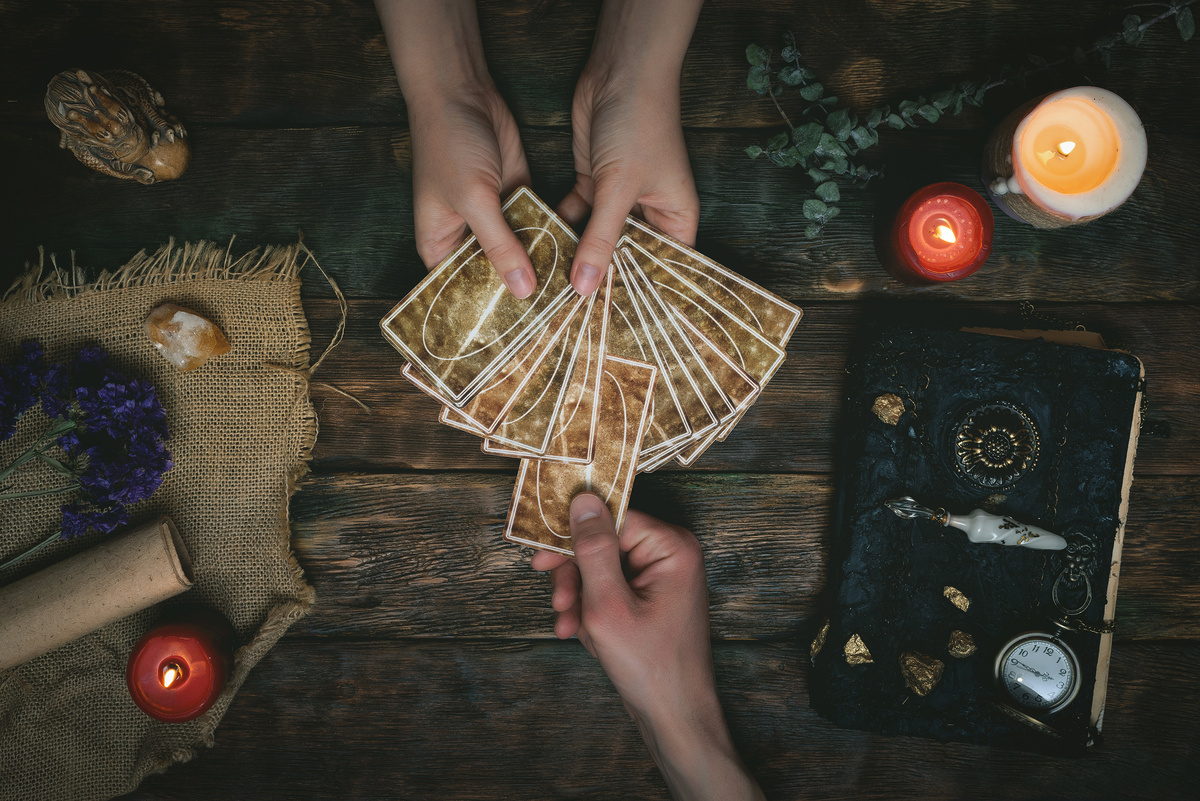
178,670
942,233
1066,158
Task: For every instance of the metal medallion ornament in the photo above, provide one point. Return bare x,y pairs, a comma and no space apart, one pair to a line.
995,445
1038,672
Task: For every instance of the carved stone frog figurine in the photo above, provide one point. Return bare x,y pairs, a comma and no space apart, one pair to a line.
116,124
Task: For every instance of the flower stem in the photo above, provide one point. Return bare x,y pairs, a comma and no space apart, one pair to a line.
9,496
35,449
35,549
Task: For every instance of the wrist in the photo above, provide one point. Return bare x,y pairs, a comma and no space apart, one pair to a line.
697,758
643,43
435,48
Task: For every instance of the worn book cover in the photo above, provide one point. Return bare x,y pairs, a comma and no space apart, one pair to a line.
918,614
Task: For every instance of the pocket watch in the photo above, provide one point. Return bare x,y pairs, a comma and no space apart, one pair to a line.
1037,672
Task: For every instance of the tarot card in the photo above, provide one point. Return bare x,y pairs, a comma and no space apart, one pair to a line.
627,339
482,413
460,324
771,315
757,356
540,511
573,434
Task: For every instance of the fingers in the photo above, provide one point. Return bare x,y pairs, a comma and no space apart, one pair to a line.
679,223
500,244
599,239
574,207
647,540
597,554
547,560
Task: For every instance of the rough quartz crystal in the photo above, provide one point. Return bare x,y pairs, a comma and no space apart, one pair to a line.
186,339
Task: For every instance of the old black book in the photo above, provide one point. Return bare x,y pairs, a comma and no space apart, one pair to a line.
1042,432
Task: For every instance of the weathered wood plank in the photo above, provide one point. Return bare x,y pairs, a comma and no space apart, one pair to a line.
469,721
286,64
349,190
421,555
792,428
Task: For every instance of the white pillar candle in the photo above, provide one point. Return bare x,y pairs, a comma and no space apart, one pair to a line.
1066,158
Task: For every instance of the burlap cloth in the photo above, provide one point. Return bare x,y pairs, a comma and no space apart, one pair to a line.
242,431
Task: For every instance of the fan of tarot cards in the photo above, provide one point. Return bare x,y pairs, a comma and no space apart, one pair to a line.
658,363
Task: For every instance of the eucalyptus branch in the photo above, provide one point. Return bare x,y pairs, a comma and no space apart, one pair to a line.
824,149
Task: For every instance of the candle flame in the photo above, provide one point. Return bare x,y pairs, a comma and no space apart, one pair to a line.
945,232
170,674
1065,148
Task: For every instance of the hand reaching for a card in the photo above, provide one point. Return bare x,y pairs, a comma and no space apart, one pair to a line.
650,633
626,134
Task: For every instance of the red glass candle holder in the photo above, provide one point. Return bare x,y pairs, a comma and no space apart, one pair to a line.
942,233
178,669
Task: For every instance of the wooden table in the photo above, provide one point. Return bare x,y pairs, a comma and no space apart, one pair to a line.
428,668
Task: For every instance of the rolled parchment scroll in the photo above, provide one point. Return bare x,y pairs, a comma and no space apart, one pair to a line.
93,588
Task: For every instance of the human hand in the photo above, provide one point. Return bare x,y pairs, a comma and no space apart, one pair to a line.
629,155
466,148
639,604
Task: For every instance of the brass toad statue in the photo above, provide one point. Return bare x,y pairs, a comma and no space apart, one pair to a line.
115,123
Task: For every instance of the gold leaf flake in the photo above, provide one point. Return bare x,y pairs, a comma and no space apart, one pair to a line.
888,408
819,641
961,644
956,597
856,651
921,672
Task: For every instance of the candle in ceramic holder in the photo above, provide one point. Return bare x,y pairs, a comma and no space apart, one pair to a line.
942,233
178,669
1066,158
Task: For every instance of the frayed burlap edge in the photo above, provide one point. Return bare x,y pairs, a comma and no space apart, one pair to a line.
191,261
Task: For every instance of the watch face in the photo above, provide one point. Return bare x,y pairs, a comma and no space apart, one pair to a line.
1038,672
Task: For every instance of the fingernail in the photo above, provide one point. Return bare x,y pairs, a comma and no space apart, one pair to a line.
586,278
520,283
585,506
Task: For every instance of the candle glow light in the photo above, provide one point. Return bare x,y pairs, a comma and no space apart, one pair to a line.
1066,158
942,233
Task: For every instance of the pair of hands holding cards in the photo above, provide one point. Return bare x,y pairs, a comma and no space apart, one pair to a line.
627,140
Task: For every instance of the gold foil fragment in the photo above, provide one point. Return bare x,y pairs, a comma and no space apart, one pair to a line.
819,641
956,597
888,408
921,672
856,651
961,644
994,503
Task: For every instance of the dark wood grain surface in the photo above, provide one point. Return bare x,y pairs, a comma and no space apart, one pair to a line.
428,668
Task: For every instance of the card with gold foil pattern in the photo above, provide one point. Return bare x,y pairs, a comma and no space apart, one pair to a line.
460,325
540,511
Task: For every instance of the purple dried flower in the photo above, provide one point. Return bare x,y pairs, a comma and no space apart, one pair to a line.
115,437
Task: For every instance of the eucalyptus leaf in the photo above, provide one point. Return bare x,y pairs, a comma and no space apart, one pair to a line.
839,124
957,108
812,231
833,212
1186,23
930,113
777,141
806,137
754,151
827,146
944,99
1133,37
756,55
836,162
864,136
812,92
828,192
759,79
829,101
819,176
1105,56
1037,60
907,108
789,53
791,74
1131,22
815,209
876,116
896,121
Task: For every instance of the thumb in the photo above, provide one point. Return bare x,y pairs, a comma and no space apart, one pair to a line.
599,239
597,554
501,246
